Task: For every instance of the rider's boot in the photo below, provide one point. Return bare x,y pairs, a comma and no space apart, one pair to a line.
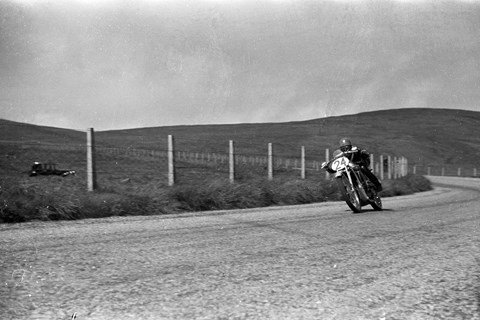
374,179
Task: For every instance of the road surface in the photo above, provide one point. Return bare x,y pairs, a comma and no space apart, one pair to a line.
418,259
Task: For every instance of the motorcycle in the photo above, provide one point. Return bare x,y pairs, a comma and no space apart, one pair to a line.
356,189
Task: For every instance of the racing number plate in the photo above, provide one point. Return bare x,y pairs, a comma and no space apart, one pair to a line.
339,164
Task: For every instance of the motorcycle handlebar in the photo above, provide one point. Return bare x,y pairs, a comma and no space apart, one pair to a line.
344,153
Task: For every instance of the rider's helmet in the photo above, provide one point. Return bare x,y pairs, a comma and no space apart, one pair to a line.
345,144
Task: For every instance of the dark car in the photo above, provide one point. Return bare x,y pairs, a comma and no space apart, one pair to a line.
48,169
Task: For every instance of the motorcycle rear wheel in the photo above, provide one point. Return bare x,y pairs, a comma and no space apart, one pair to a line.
349,194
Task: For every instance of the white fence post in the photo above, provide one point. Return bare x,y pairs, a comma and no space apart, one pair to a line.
400,167
231,156
381,167
91,165
395,167
327,158
171,165
302,163
389,168
270,161
372,163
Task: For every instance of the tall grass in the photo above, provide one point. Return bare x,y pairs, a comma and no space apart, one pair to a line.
221,194
55,198
409,184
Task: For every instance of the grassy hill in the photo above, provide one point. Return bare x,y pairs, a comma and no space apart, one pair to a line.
424,136
134,183
11,131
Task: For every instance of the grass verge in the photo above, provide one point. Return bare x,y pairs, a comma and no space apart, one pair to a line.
23,202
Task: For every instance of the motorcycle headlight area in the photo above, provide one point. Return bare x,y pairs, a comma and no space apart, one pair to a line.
339,163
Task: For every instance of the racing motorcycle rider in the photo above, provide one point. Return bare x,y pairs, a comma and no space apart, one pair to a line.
359,157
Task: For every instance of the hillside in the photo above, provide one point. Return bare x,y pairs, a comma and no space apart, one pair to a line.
424,136
28,133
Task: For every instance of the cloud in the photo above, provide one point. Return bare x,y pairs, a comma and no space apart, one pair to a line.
117,64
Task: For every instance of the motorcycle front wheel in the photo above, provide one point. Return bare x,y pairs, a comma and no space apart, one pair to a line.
349,194
377,202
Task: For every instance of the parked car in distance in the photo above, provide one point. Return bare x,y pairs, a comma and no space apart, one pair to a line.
49,169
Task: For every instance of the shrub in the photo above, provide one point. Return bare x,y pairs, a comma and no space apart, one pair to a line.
26,202
418,183
221,194
216,195
405,185
289,192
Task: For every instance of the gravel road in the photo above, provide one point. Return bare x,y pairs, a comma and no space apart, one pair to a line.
417,259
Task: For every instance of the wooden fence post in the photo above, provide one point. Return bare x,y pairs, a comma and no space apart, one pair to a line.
382,169
395,168
389,167
171,165
372,164
302,163
402,166
231,155
91,165
270,161
399,167
327,158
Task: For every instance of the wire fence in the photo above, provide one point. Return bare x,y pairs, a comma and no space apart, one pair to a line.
127,168
137,166
442,170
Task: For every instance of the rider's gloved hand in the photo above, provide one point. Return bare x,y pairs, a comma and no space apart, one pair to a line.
355,166
324,165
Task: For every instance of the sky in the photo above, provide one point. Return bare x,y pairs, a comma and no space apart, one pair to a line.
116,64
